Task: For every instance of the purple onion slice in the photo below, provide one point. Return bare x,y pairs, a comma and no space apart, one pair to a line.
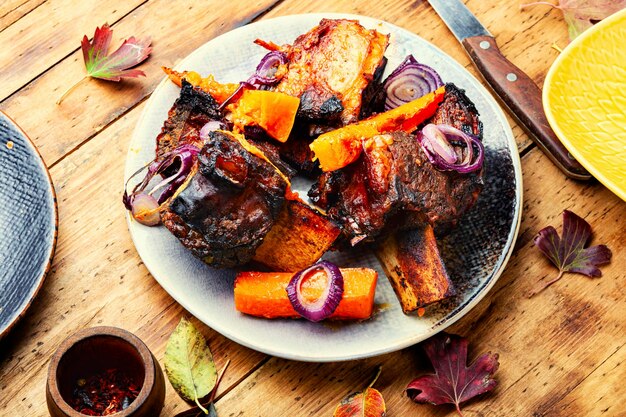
264,77
267,69
450,149
174,167
145,209
327,303
410,81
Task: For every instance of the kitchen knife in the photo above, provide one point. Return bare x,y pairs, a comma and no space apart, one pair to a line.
516,89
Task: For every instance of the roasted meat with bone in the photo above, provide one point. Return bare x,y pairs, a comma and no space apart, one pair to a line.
228,205
393,186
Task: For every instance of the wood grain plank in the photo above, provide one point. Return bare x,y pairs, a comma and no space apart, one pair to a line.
97,278
48,34
561,352
13,10
597,393
107,101
549,345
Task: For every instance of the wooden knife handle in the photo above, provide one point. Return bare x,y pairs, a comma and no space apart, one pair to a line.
523,98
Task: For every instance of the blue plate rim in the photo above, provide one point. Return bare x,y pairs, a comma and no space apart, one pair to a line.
7,329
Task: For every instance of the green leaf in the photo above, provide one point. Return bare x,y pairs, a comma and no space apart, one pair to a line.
189,364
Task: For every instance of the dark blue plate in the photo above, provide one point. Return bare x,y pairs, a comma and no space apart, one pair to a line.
28,223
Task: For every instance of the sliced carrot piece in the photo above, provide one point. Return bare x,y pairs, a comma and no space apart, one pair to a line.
264,294
340,147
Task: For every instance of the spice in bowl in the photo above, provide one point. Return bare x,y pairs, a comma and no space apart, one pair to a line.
104,393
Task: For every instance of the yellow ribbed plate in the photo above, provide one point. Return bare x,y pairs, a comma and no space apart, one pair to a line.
584,97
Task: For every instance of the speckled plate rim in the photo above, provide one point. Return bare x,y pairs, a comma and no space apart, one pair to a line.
55,218
403,343
567,54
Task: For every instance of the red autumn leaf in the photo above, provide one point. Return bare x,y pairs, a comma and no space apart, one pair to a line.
570,253
115,66
368,403
453,381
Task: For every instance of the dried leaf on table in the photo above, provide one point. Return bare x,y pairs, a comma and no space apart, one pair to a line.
208,408
570,253
453,381
189,364
367,403
580,15
115,66
197,412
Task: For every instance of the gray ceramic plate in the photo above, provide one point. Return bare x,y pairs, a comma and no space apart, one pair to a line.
475,253
28,223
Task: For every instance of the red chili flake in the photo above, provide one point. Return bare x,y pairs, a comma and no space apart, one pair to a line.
103,394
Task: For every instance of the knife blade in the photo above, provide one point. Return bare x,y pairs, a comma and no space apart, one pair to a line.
515,89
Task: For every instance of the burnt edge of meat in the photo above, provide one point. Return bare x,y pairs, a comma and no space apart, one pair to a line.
297,153
192,109
394,187
310,108
457,110
270,148
374,94
229,204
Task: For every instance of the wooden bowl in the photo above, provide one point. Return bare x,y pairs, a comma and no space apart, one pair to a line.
91,351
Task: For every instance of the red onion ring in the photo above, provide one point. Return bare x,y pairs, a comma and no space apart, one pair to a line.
145,209
410,81
266,70
327,303
182,158
439,142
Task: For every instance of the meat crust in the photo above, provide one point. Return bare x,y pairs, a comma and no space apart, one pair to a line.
393,186
329,68
191,110
228,206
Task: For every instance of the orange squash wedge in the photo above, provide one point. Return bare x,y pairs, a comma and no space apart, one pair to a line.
272,111
340,147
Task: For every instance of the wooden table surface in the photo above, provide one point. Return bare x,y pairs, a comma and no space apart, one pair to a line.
561,353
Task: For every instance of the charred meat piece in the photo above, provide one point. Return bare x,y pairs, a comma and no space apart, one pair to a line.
298,154
228,206
394,186
329,68
457,110
391,187
191,110
270,148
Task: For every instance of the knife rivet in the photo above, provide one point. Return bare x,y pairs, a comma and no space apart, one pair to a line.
511,77
484,44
